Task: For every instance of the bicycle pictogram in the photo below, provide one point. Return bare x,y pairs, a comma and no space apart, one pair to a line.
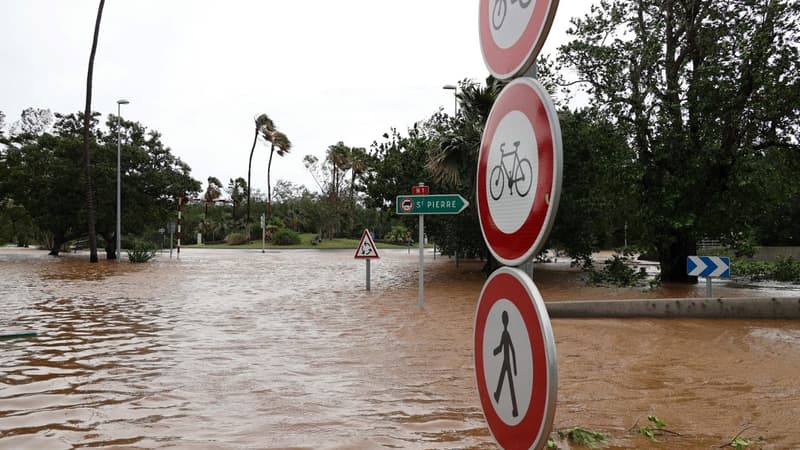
519,177
501,9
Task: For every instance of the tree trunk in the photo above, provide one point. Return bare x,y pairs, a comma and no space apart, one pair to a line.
249,169
87,116
57,242
490,265
111,246
269,187
673,255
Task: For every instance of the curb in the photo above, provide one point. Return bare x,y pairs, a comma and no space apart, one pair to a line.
703,308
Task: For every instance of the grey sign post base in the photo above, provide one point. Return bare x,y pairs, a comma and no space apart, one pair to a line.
367,274
421,261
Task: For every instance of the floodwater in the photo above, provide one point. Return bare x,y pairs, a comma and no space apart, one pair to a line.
227,349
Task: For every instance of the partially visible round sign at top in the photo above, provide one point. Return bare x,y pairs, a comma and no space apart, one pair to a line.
512,33
519,172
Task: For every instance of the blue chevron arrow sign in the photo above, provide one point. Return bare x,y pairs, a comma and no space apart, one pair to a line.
708,266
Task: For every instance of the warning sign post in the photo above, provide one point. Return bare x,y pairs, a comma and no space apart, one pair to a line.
367,251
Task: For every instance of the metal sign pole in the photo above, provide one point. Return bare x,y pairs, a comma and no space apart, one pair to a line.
367,273
708,287
421,260
171,227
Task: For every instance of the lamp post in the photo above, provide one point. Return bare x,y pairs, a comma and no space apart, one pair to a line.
119,178
454,88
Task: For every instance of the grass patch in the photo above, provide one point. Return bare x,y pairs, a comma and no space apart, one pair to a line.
305,243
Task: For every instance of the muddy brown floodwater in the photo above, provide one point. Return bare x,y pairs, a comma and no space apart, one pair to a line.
243,350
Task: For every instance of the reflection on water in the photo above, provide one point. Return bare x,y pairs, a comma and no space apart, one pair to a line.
238,349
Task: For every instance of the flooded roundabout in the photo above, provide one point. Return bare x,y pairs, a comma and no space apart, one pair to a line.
227,349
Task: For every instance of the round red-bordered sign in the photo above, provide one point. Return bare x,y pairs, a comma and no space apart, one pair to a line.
512,33
511,322
519,172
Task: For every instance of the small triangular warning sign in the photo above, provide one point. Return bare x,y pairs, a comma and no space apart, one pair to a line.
366,248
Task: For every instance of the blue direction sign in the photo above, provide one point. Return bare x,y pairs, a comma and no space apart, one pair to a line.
708,266
431,204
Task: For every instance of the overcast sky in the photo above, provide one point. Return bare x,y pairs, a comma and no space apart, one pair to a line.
200,71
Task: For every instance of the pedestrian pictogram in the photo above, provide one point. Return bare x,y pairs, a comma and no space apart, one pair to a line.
366,247
519,172
515,360
509,360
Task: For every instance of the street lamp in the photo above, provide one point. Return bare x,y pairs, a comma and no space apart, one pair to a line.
454,88
119,179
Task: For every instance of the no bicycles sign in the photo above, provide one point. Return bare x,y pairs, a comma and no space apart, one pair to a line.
512,33
519,172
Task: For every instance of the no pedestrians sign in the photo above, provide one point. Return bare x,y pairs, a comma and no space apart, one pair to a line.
515,360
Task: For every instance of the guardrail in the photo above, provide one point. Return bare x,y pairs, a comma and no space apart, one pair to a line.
705,308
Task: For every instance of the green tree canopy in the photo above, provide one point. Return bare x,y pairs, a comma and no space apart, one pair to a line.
704,91
41,174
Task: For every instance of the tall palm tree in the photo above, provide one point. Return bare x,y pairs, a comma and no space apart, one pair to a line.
339,157
213,192
283,145
358,165
263,127
87,117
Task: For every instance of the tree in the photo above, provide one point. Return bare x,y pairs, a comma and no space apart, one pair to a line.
452,162
153,180
213,193
263,127
55,204
703,91
598,192
359,163
33,121
87,114
283,145
236,190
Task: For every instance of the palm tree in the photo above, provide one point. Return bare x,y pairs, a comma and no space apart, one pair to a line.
263,127
236,190
87,117
358,165
283,145
339,157
213,192
457,152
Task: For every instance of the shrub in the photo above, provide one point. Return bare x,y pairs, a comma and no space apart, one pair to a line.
753,270
786,269
237,238
141,251
397,235
285,236
617,272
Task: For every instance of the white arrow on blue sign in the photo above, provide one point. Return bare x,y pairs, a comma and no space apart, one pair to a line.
708,266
